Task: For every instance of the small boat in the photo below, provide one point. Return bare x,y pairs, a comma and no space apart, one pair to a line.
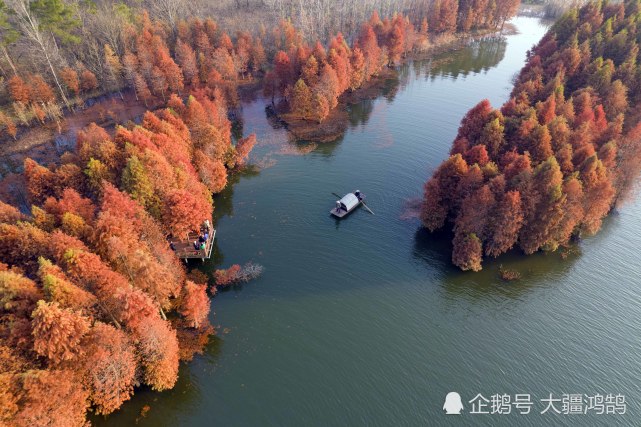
348,203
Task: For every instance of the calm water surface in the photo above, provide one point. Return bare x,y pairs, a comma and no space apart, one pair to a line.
364,321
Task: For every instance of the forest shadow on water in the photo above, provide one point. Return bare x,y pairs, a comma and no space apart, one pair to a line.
433,252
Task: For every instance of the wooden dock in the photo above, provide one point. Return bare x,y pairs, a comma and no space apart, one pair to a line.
185,248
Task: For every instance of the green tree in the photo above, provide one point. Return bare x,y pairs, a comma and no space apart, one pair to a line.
58,18
8,35
46,23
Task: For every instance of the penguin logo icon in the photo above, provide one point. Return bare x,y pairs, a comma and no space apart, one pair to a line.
453,404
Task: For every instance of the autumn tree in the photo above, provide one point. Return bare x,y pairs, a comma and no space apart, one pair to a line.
283,70
58,332
158,347
114,68
468,252
187,60
70,78
8,125
320,107
18,90
301,100
88,81
243,147
184,211
46,25
507,220
110,366
58,288
50,397
309,72
328,85
195,304
136,182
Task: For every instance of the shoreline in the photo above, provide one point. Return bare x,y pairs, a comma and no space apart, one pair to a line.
336,123
45,144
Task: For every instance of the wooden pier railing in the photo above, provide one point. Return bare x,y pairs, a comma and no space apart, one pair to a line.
185,249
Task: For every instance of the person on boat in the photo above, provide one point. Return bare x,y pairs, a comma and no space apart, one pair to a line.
338,206
196,245
206,235
201,238
207,225
358,194
202,246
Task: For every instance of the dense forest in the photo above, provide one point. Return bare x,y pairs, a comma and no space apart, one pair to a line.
56,54
559,155
94,302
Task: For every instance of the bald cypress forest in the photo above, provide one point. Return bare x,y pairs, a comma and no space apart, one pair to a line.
95,303
553,161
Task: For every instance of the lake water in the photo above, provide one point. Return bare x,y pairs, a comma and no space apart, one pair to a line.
364,321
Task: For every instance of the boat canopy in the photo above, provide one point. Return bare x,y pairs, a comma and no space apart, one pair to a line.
349,201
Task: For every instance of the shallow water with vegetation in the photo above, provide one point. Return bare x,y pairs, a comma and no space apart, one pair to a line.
365,321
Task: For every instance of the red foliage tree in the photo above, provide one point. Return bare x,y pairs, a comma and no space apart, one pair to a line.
141,88
309,72
110,367
283,70
18,90
9,214
443,14
474,121
243,148
341,66
50,397
184,211
506,223
547,198
357,64
371,50
186,58
70,78
71,201
8,125
329,86
547,110
88,81
195,304
41,182
228,276
477,154
396,41
158,347
211,172
58,332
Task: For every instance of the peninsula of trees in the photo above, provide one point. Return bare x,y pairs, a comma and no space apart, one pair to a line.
94,302
557,157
